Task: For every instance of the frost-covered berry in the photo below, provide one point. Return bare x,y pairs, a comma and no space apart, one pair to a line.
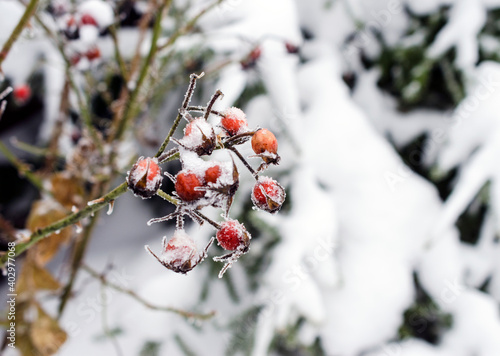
234,121
252,58
93,53
199,136
87,19
232,235
212,174
179,254
291,48
22,93
144,179
268,195
264,141
186,184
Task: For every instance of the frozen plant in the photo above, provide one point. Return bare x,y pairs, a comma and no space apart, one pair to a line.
204,183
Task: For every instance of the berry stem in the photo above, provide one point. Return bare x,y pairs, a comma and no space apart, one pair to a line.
208,220
211,103
203,109
187,99
167,197
169,155
243,160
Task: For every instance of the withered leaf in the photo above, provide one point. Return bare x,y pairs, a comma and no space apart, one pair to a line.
46,334
43,213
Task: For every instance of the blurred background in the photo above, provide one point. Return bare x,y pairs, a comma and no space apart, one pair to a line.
386,113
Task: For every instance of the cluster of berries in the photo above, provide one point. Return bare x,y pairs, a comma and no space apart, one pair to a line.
82,28
201,183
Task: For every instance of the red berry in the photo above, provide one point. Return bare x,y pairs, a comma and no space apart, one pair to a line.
232,235
268,195
234,121
87,19
264,141
291,48
22,93
178,253
93,53
75,59
185,186
252,58
212,174
144,179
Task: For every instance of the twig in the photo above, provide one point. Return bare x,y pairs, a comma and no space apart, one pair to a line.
22,168
129,106
243,160
185,104
30,10
134,295
80,248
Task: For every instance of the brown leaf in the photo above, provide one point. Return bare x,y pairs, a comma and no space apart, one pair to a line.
67,190
43,213
46,334
34,277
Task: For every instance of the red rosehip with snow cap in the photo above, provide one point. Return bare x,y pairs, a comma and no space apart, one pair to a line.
179,254
144,179
199,136
234,121
88,19
93,53
232,235
187,186
268,195
22,93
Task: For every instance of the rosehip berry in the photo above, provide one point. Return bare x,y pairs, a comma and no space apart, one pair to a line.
87,19
179,252
22,93
185,186
268,195
264,141
212,174
234,121
291,48
144,179
93,53
232,235
252,58
199,136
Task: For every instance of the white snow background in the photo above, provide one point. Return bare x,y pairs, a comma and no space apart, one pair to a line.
361,222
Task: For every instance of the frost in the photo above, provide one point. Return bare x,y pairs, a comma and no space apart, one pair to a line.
101,11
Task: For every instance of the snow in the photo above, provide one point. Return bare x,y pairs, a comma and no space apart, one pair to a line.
360,222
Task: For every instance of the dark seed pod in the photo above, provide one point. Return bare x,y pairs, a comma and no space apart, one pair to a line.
144,179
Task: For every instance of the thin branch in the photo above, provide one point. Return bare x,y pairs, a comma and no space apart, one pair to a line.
147,304
30,10
23,169
243,160
129,106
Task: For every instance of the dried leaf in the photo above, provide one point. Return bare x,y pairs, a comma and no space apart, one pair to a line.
67,190
46,334
34,277
43,213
